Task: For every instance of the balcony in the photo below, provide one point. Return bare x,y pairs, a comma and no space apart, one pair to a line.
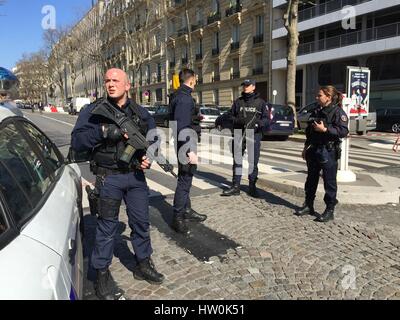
232,10
235,75
216,77
215,52
258,39
172,64
184,60
319,10
182,31
235,46
197,26
199,56
257,71
344,40
213,18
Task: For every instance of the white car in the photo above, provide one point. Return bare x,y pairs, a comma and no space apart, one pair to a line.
208,115
40,215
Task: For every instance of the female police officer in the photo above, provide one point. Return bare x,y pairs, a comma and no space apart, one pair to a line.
327,124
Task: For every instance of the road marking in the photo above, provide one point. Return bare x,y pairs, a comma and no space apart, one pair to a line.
63,122
156,188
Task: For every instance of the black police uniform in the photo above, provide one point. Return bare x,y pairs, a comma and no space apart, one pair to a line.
117,180
322,153
243,111
183,111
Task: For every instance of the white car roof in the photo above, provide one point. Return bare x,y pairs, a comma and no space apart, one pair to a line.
9,109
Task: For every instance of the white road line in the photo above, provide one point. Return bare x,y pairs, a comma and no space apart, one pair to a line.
156,188
63,122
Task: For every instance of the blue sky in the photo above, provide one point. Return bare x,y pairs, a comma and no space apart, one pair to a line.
21,25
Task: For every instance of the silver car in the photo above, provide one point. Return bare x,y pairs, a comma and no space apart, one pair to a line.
208,115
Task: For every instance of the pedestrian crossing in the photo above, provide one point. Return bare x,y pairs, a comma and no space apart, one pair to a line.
215,167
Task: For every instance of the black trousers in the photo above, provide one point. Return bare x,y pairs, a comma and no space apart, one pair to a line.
328,164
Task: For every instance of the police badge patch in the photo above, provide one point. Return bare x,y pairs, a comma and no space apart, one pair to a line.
343,118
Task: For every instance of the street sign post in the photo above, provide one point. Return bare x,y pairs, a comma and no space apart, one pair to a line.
274,93
344,174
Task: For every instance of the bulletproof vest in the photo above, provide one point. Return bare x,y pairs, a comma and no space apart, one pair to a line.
248,108
327,118
108,153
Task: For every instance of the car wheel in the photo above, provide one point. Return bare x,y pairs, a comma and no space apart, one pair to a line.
396,127
166,123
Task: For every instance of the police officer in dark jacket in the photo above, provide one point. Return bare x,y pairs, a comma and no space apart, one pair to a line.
328,124
247,109
183,111
117,180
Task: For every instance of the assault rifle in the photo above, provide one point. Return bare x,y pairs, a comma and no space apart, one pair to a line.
136,140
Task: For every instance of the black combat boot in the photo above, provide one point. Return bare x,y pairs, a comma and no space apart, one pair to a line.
232,191
145,270
105,287
179,225
192,215
253,190
306,209
327,215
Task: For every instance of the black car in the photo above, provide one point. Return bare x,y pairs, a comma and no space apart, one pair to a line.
303,114
282,121
161,115
388,120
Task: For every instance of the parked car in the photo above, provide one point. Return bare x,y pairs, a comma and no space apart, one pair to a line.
150,109
224,109
388,119
208,114
281,121
303,114
40,215
161,115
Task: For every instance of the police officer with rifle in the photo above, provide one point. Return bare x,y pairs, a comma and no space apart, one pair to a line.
249,112
327,125
113,130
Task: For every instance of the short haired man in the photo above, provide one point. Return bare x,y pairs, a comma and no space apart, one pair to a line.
116,181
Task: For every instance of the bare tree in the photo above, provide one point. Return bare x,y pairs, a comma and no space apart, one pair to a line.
33,76
291,22
56,57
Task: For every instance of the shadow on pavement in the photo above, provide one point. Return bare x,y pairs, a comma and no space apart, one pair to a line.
202,242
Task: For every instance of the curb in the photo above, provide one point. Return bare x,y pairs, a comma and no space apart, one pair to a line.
346,194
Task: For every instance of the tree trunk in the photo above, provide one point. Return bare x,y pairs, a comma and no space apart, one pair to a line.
291,23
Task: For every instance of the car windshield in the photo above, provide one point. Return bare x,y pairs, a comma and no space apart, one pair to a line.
282,110
210,112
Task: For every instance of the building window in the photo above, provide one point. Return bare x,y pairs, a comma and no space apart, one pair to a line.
159,95
384,67
235,69
235,33
334,73
199,16
235,93
215,6
216,96
259,25
159,72
200,97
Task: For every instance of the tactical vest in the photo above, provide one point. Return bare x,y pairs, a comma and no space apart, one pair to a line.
107,154
247,109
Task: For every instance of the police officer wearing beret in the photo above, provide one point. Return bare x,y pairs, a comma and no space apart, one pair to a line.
243,111
117,180
183,111
329,123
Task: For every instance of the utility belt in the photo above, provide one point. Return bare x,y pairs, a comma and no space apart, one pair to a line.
101,171
330,146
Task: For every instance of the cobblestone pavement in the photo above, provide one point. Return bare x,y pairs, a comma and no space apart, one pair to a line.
279,255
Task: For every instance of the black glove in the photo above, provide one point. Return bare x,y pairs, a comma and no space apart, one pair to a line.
112,132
